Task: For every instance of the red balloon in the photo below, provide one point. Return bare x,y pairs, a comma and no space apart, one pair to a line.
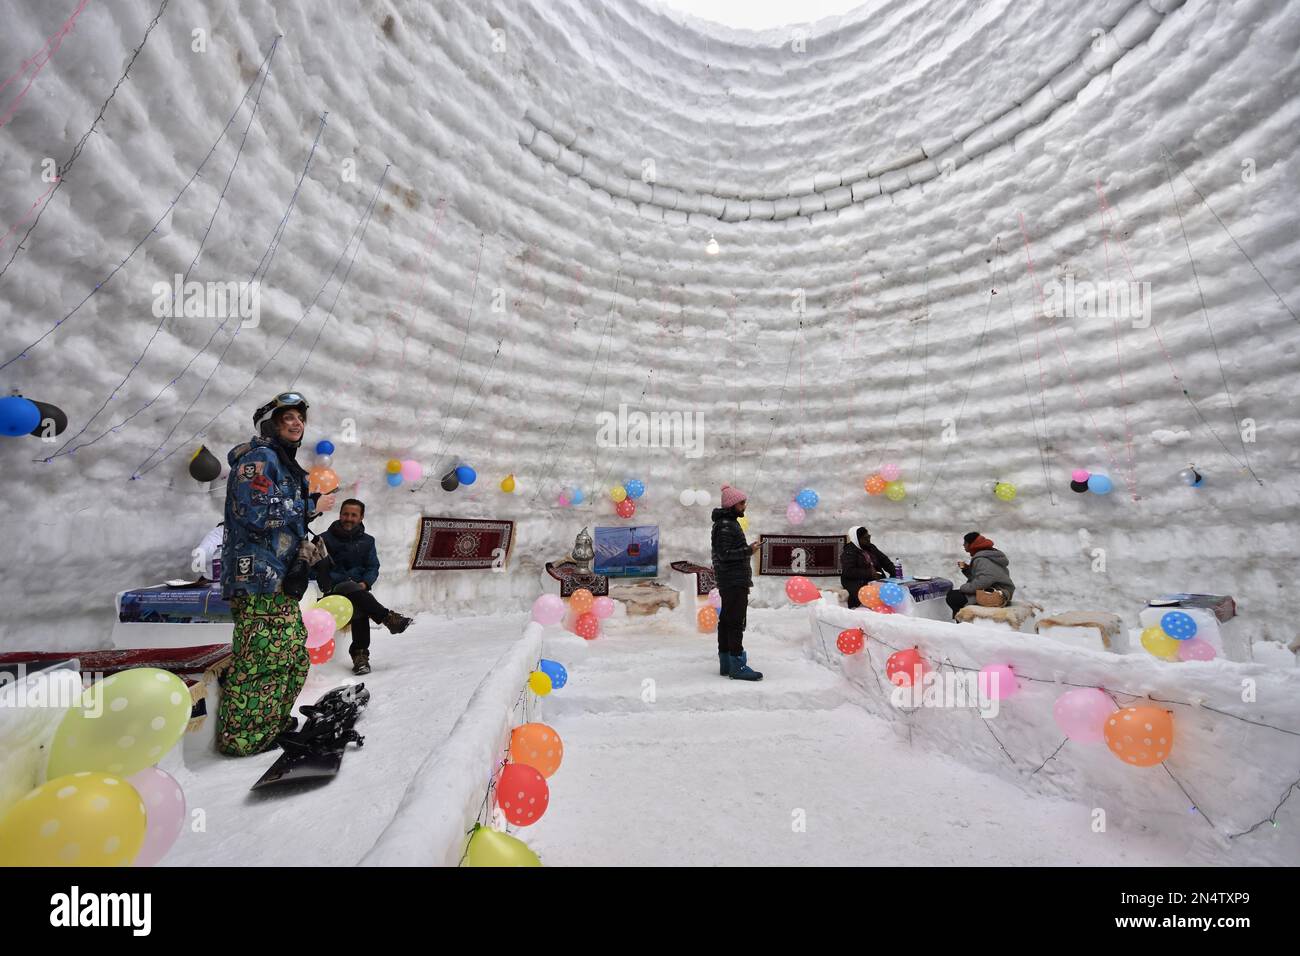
850,641
322,654
626,508
588,626
801,590
905,666
522,794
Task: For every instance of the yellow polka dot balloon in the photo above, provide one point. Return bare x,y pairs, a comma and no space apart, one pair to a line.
617,494
126,722
539,683
79,819
1159,644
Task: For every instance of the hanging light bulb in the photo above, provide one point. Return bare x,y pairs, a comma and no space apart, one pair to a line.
711,247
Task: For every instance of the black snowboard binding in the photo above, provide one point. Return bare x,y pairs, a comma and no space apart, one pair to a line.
316,751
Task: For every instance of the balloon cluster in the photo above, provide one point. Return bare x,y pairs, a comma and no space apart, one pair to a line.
460,475
625,495
1191,477
804,500
888,482
706,618
1175,639
549,676
104,802
323,620
23,416
401,470
695,496
1082,480
588,612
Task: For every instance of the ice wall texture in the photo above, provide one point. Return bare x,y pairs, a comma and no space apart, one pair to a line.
866,180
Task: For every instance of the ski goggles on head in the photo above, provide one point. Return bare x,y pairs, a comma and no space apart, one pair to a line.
283,400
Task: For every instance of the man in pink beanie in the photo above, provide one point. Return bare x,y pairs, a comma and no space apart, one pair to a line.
735,576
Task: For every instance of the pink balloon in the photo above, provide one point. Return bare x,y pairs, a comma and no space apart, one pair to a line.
320,627
164,807
1081,714
412,470
997,681
801,590
548,609
562,500
1196,650
715,599
1081,474
602,607
793,513
890,472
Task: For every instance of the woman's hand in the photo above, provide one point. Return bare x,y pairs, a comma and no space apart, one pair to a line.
325,503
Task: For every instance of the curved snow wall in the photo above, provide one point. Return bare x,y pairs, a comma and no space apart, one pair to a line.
544,178
1235,729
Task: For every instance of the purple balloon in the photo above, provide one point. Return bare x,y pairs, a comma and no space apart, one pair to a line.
164,806
548,609
715,599
1081,714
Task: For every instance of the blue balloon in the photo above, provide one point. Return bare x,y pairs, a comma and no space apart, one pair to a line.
892,594
324,448
466,475
18,416
1099,485
634,488
395,479
576,497
556,672
807,499
1179,625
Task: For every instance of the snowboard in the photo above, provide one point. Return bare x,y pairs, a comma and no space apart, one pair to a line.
315,752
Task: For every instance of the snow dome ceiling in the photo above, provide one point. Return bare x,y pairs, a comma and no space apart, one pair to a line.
477,226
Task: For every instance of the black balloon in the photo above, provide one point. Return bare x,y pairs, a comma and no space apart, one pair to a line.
204,466
449,481
1079,486
50,415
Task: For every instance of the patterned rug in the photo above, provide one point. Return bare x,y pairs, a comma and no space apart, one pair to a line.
571,578
462,544
704,579
821,554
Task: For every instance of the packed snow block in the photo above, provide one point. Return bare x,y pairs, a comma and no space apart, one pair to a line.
824,181
824,217
664,196
638,191
1002,131
1013,617
570,162
811,204
1232,766
1102,54
898,162
839,197
1097,630
647,210
1225,637
894,181
1165,6
712,205
594,176
785,207
546,147
675,217
761,209
617,185
965,129
525,132
933,147
563,134
1136,25
1066,84
543,120
688,202
922,172
1039,106
443,799
728,189
803,186
735,210
865,189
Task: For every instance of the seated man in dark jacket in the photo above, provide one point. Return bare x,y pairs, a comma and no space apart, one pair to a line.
353,572
861,562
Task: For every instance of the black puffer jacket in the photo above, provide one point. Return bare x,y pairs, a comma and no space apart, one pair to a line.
731,554
858,568
354,556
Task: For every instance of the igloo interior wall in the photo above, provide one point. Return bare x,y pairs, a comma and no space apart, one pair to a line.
477,226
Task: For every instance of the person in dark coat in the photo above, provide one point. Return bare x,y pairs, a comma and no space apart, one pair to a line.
861,562
735,576
987,571
353,572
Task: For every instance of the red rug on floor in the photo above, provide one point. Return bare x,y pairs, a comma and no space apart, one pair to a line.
462,544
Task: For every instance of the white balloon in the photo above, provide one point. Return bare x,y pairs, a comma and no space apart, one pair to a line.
324,461
703,497
687,497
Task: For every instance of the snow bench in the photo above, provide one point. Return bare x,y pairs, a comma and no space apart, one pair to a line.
1098,630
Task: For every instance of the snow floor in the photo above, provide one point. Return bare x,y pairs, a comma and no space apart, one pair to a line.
420,683
715,771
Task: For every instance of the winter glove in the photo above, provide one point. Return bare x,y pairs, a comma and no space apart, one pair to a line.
313,553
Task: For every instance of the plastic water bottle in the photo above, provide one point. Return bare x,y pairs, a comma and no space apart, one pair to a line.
898,566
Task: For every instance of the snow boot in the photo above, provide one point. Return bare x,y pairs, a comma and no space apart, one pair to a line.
740,670
724,664
361,662
396,623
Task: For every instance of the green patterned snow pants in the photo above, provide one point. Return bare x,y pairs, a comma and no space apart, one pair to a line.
266,674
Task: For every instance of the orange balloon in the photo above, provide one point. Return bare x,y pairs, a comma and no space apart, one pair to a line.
869,594
875,485
1142,736
707,618
538,746
323,480
581,600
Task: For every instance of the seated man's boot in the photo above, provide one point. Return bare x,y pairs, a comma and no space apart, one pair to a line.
396,623
361,662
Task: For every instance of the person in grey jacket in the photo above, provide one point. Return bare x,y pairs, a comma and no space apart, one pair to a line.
987,571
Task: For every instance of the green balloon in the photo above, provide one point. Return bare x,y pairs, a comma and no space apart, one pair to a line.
340,609
124,723
493,848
